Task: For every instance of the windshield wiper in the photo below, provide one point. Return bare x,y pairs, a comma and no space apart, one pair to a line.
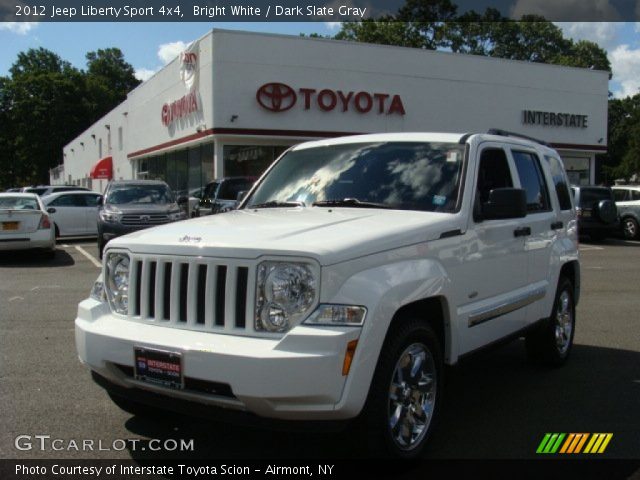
349,202
277,204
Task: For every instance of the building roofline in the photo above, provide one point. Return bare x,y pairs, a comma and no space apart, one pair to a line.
396,47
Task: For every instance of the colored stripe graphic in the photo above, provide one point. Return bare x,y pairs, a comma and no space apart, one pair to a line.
573,443
550,443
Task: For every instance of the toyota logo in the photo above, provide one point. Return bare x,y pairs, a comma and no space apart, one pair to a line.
276,97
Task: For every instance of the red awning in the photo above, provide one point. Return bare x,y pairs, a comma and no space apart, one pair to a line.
103,169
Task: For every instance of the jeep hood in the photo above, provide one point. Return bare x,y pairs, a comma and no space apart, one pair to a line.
330,235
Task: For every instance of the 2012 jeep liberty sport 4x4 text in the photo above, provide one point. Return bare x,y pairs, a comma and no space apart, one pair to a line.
354,270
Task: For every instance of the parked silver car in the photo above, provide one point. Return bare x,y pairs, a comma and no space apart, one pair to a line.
628,203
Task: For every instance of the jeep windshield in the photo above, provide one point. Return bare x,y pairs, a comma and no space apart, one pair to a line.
397,175
140,195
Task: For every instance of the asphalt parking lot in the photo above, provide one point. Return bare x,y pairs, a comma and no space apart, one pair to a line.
497,404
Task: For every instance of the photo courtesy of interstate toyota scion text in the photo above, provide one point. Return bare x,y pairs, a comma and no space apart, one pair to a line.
351,274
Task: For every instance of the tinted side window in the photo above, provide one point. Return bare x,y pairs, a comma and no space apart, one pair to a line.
621,195
68,201
90,200
562,190
493,172
635,195
532,181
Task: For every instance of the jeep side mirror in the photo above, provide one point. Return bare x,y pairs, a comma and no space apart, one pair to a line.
505,203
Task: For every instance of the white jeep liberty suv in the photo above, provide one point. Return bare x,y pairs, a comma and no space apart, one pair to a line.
351,273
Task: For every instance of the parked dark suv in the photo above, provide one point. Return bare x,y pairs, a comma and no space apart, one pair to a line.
597,212
130,205
221,195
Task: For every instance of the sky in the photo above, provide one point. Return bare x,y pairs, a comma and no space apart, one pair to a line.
149,46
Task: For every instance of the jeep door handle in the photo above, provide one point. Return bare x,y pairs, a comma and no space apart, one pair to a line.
522,232
556,225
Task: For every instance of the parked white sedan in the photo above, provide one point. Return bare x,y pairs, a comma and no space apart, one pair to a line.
24,223
74,214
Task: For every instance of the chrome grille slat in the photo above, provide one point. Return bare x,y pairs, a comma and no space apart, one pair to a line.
133,288
251,300
144,290
209,306
230,300
175,293
193,293
159,307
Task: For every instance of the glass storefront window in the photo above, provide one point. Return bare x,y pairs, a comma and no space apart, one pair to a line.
184,170
577,170
249,160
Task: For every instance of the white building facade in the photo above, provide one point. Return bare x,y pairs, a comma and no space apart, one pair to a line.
233,101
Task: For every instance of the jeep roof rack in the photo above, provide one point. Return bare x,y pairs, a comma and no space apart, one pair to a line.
506,133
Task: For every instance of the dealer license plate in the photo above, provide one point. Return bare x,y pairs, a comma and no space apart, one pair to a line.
159,367
10,226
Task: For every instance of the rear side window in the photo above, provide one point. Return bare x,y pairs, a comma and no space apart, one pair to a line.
635,195
592,196
532,181
621,195
90,200
68,201
559,180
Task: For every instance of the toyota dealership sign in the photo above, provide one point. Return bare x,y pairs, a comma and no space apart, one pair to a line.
279,97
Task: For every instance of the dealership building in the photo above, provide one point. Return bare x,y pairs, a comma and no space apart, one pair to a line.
233,101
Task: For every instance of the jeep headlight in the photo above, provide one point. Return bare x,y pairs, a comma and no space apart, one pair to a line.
285,293
117,282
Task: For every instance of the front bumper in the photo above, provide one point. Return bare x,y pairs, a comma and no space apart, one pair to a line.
296,377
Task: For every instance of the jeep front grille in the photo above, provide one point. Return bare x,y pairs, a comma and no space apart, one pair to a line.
192,293
144,219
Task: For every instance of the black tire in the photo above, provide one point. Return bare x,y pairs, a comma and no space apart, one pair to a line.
409,340
551,343
135,408
630,228
57,230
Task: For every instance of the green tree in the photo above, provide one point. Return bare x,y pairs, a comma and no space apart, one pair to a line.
46,102
419,24
382,32
623,150
109,79
46,106
583,54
